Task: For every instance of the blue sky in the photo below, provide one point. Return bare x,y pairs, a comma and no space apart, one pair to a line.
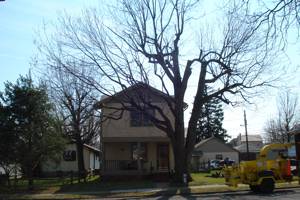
20,19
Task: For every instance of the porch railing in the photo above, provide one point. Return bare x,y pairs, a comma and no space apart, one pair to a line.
120,165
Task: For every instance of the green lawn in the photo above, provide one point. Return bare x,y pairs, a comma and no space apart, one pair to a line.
56,185
206,179
98,185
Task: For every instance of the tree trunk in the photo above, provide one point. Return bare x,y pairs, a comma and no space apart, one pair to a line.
7,179
180,165
80,160
30,177
15,179
179,143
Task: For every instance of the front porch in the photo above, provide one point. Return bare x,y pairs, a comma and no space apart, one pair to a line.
137,158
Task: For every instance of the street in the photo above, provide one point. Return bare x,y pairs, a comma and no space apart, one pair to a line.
282,194
279,194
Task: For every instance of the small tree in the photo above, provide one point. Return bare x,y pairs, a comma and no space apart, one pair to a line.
277,128
7,142
211,121
31,116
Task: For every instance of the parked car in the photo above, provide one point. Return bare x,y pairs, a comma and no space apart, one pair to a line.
294,167
214,164
227,162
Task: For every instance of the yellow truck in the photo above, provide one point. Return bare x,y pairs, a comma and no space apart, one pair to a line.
272,166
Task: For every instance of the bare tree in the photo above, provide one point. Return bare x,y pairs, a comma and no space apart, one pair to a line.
146,42
288,104
272,131
274,18
74,102
277,129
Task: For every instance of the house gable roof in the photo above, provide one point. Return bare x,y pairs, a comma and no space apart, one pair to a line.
92,148
205,143
253,147
252,138
295,130
86,146
138,88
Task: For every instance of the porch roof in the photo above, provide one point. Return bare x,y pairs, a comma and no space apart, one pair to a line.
143,132
135,139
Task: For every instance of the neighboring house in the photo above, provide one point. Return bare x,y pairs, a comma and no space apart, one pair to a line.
212,149
255,143
68,161
132,145
2,170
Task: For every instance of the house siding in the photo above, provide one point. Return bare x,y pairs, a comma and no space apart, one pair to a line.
117,151
50,167
152,152
122,129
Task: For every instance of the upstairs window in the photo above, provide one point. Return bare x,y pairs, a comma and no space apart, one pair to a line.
140,118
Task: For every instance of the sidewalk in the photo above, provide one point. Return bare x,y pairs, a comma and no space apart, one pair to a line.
139,193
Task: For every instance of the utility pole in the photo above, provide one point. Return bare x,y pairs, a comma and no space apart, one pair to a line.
246,134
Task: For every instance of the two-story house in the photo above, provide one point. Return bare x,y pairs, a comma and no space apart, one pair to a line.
255,143
131,143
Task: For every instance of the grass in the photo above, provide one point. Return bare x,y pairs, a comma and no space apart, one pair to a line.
94,184
63,185
98,185
63,189
206,179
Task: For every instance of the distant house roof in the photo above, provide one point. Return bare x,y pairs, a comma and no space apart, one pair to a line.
253,147
87,146
92,148
295,130
203,142
251,138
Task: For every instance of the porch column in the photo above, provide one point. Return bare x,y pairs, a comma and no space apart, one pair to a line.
139,163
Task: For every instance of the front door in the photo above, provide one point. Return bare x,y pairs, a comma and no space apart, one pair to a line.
163,157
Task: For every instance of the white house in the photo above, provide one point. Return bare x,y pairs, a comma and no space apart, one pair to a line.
255,143
213,149
68,160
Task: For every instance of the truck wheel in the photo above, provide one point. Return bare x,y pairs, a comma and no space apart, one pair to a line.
267,185
255,188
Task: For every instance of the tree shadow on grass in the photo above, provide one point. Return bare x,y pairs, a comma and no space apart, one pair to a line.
98,185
